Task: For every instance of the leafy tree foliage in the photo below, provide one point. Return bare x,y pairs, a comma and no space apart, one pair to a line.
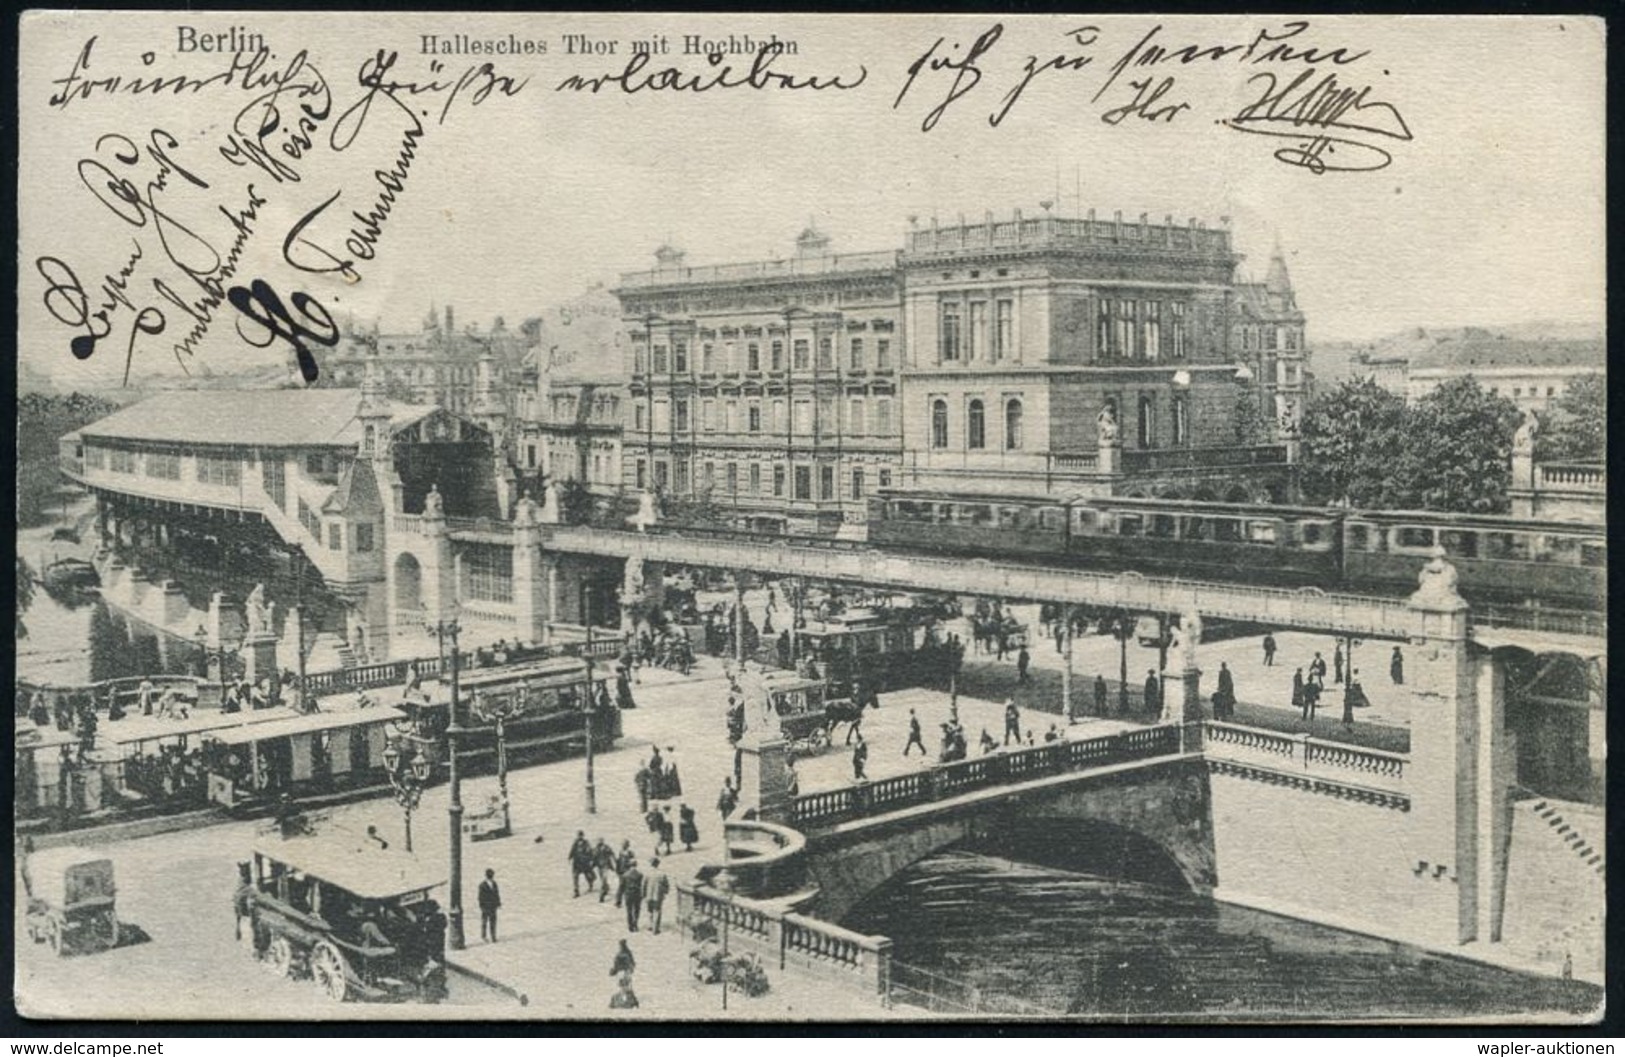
41,421
1451,451
1576,429
25,594
1251,426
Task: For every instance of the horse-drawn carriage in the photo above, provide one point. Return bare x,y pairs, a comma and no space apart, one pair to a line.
70,899
806,713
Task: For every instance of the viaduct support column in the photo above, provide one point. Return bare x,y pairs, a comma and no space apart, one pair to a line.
1066,671
1189,714
739,617
440,572
529,573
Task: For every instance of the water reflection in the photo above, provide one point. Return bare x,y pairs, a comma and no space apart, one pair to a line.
1084,945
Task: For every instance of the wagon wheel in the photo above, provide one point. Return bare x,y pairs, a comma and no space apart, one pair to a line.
818,738
279,957
328,970
53,935
110,930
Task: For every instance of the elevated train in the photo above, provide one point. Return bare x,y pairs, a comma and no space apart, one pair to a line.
1500,561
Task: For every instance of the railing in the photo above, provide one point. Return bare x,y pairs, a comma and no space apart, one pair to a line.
778,870
393,673
833,806
791,941
1584,476
1160,459
410,524
488,612
1301,754
790,268
1076,463
1048,229
489,526
1529,618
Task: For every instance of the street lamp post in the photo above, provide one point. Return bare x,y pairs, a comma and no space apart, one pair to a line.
449,629
587,703
1122,630
489,711
408,773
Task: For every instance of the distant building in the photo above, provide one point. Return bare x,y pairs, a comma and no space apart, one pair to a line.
768,388
1532,374
572,425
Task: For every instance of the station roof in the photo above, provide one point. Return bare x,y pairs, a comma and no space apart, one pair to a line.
259,418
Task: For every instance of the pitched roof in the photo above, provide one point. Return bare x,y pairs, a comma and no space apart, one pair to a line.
248,417
357,491
1469,353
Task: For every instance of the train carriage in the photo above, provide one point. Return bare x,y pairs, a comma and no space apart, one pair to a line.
968,524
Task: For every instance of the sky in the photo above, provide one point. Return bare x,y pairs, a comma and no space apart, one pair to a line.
1492,213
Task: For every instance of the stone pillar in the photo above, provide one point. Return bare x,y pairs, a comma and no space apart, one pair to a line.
529,573
1067,709
1497,771
439,569
739,617
1443,776
259,661
765,772
553,614
1188,713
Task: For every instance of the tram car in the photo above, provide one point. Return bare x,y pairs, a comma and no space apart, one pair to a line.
354,918
540,705
884,649
1498,560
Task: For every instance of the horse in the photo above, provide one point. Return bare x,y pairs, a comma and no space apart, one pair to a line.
842,710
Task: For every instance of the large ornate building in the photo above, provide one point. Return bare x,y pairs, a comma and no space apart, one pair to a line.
768,388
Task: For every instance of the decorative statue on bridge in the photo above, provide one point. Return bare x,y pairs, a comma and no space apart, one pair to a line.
1523,441
1437,582
1190,631
1106,425
433,504
257,612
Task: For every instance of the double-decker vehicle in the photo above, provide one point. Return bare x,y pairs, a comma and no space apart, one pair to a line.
1499,560
353,917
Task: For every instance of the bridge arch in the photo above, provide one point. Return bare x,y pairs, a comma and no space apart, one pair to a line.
408,577
1553,710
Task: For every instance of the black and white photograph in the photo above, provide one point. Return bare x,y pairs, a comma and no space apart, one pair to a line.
1070,519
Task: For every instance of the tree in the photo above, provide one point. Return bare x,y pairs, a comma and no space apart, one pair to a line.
1457,450
1576,430
575,502
25,594
1350,438
1251,426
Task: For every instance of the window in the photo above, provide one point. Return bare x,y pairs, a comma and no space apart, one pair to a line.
856,424
802,423
662,416
730,416
939,423
1004,312
1012,425
885,478
1106,332
755,478
641,477
680,414
1181,427
640,418
753,357
778,416
95,457
662,474
950,332
708,358
975,426
1272,338
826,354
211,471
826,481
363,538
754,414
855,355
122,461
799,354
164,465
976,348
1125,329
777,361
826,416
1151,328
731,476
680,476
882,416
640,359
882,354
680,358
1292,338
273,477
803,483
335,536
1147,423
530,456
660,359
490,572
778,479
857,482
708,415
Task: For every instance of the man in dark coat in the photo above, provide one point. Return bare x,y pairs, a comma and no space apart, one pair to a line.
1269,650
860,755
1012,722
1227,692
580,856
914,737
603,862
687,829
1298,700
1317,670
642,781
1100,695
623,862
666,831
1337,663
727,800
1396,667
1023,659
490,900
1153,693
632,889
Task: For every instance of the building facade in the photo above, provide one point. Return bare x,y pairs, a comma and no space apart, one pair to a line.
767,391
1532,374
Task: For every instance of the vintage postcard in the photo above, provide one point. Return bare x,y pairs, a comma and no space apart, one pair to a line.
784,517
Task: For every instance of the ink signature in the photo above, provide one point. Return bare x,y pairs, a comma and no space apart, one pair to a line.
1307,114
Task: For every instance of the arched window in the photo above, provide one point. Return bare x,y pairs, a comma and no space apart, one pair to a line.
1012,425
975,426
939,423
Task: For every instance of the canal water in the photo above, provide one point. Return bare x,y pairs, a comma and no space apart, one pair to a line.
1001,936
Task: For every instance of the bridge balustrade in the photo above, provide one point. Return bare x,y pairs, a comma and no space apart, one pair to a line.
1302,754
833,806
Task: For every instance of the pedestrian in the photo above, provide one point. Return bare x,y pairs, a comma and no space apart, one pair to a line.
1311,698
1354,697
860,754
1023,659
624,964
988,744
1153,693
1052,734
147,691
655,886
687,829
1226,698
1297,693
625,997
1012,721
1060,635
1337,663
657,772
674,782
490,899
1100,695
727,800
632,885
641,781
623,689
667,830
1396,667
580,858
603,863
623,862
792,784
1317,670
914,735
242,901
